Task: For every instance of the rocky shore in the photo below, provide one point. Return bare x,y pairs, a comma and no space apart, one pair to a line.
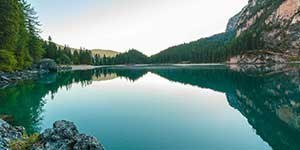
43,67
62,136
260,57
9,78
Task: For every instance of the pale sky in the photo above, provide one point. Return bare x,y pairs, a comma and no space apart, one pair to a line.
147,25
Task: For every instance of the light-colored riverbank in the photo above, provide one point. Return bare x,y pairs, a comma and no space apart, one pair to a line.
88,67
84,67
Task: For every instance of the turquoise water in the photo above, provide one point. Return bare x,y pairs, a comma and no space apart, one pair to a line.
165,107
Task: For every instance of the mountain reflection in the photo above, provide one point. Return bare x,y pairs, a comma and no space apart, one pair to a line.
268,98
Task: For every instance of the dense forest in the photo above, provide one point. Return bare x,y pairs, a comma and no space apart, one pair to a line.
215,49
206,50
65,55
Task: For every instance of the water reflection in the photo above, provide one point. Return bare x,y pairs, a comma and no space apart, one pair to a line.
269,98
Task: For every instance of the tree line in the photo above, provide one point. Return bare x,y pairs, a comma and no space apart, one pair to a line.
215,49
65,55
21,44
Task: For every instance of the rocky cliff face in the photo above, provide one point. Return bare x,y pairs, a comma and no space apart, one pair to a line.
277,22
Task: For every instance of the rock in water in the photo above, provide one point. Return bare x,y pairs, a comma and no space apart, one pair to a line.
65,136
48,64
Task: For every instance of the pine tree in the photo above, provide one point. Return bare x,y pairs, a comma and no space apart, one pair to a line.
50,49
10,13
21,51
32,24
10,17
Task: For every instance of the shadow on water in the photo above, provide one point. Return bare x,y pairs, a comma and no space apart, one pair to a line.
269,99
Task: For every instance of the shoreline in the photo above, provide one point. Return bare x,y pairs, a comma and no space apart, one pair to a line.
10,78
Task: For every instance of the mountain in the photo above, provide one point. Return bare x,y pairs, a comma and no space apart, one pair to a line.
107,53
264,31
99,52
276,24
132,56
204,50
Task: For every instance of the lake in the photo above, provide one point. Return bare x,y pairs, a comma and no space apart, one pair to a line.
166,107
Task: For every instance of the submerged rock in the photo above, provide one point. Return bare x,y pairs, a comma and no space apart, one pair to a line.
65,136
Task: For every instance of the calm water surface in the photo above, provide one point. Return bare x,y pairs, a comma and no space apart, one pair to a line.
166,107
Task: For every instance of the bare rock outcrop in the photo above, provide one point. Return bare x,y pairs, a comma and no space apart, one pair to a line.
276,21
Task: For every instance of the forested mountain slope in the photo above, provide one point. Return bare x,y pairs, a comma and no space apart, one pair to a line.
274,28
264,31
205,50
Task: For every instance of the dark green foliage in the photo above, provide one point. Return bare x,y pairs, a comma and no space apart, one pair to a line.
131,57
19,33
50,49
7,60
75,58
65,55
85,57
206,50
21,50
34,43
10,16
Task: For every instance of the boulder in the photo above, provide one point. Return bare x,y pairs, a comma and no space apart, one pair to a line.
47,64
84,142
9,133
65,136
5,78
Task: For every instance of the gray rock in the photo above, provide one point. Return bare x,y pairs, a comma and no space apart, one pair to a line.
5,78
65,136
48,64
84,142
260,57
65,129
9,133
56,145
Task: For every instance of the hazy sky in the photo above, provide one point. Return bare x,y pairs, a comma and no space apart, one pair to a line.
147,25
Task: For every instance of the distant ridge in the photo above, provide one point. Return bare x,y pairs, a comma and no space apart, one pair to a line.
107,53
100,52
